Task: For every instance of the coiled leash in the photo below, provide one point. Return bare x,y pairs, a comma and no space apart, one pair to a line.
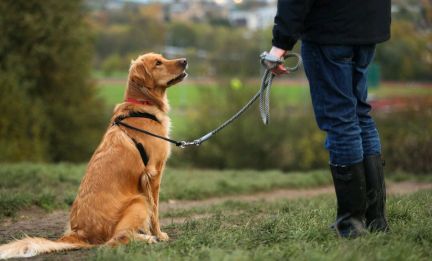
269,62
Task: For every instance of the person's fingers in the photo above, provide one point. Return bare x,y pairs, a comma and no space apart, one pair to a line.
282,69
276,72
279,70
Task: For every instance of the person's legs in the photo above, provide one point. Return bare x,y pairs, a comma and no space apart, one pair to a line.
330,73
374,173
363,56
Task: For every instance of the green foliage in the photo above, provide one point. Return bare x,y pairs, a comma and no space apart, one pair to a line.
22,132
407,137
114,63
292,141
49,110
288,230
405,133
407,56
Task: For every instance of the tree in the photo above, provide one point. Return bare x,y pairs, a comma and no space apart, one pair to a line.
48,103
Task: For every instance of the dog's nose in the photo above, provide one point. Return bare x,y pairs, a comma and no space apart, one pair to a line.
183,62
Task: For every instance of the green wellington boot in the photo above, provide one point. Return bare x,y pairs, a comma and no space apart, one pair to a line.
350,187
376,194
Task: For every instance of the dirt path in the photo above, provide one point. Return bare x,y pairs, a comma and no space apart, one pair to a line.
36,222
393,188
400,188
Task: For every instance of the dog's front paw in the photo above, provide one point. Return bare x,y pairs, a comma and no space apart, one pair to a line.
147,238
162,236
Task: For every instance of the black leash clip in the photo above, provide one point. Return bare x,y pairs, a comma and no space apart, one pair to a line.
269,61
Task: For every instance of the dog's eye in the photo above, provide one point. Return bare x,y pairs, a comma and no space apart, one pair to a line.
158,63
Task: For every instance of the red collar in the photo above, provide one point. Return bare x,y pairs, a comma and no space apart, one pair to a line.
142,102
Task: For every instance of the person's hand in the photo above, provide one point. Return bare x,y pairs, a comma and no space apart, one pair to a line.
280,69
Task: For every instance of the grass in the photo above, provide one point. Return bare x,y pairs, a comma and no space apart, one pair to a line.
288,230
112,93
43,185
234,230
181,95
201,184
52,186
185,95
100,75
404,90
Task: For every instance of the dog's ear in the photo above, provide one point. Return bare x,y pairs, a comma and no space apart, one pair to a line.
139,75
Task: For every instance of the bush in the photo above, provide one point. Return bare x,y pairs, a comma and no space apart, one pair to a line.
114,63
293,141
407,138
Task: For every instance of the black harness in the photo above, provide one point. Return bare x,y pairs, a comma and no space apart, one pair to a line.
118,121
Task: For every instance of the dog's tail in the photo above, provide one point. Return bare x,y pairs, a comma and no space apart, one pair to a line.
32,246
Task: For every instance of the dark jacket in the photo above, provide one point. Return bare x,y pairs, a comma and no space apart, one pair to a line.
331,22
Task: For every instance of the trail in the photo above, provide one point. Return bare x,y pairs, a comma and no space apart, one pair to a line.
400,188
36,222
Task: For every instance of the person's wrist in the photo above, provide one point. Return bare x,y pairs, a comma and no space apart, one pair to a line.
278,52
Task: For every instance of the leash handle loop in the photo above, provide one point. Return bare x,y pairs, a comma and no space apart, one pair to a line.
298,64
269,61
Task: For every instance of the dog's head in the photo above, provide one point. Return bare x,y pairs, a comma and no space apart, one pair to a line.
154,71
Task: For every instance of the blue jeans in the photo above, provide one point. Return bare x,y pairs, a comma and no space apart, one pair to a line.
337,77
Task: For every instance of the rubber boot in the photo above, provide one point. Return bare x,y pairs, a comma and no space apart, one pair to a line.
350,187
376,194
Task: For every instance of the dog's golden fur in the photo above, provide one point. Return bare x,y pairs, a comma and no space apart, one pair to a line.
119,195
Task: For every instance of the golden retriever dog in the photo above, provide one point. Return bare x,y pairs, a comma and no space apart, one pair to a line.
118,197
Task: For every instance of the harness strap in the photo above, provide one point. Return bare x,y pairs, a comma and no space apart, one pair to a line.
177,143
136,114
142,151
118,121
139,146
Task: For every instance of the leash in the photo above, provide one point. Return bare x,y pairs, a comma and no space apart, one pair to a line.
177,143
269,62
